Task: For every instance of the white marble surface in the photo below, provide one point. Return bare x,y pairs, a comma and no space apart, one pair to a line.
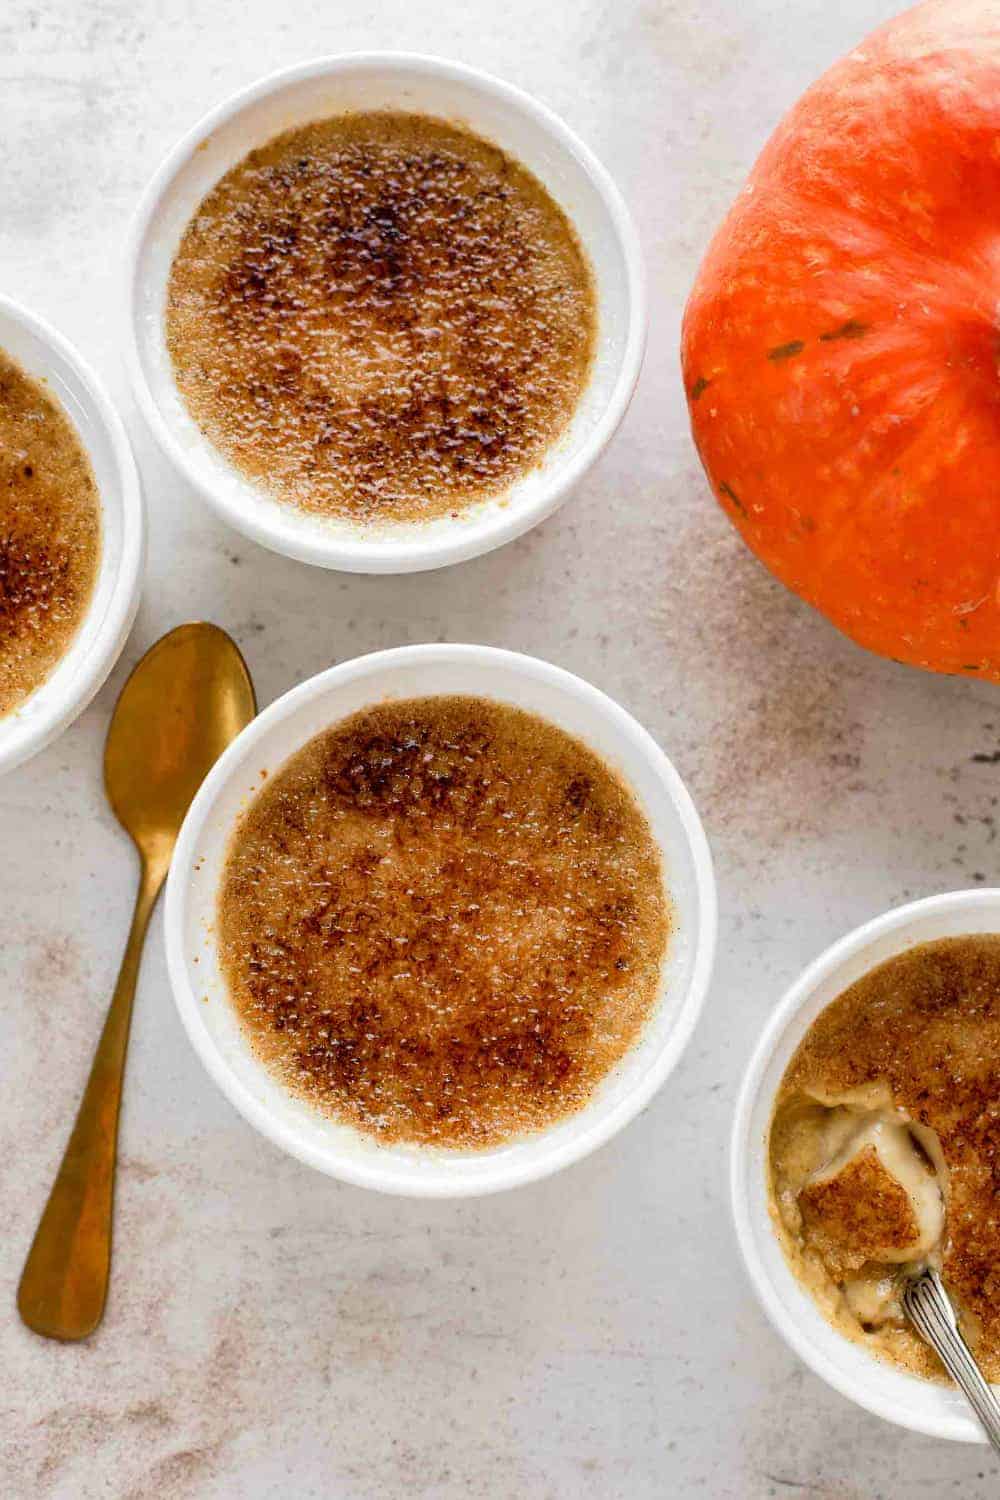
271,1333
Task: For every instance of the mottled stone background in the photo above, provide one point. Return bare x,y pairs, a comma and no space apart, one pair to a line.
271,1333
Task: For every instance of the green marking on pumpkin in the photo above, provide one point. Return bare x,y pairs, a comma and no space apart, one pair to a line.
786,351
700,385
852,329
730,494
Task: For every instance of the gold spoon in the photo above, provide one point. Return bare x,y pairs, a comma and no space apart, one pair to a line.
187,698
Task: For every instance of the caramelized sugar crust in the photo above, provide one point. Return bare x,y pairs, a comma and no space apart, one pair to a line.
444,920
380,316
927,1024
857,1213
50,534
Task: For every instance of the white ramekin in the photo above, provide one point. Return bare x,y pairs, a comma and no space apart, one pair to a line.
921,1405
496,110
414,671
47,356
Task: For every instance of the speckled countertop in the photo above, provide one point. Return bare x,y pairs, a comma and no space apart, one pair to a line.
271,1333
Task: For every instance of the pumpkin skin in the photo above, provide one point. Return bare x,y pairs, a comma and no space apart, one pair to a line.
841,345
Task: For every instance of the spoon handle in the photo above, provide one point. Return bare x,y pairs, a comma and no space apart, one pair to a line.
65,1279
929,1308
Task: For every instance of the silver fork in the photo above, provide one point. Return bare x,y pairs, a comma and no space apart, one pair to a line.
929,1309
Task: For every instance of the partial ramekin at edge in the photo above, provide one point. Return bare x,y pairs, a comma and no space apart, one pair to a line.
922,1405
501,113
417,671
50,359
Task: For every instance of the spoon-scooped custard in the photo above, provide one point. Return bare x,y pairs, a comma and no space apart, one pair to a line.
884,1147
50,534
444,921
381,317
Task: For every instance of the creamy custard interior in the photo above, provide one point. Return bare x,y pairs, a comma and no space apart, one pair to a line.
884,1149
860,1193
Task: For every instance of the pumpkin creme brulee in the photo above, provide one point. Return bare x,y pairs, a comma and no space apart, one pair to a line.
381,317
444,921
885,1150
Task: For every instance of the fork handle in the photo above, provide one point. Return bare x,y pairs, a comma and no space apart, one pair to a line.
929,1308
64,1284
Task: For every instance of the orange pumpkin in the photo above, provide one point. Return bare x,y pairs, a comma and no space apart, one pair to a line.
841,346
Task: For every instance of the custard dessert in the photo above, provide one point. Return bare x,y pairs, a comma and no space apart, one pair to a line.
444,922
884,1146
381,317
50,534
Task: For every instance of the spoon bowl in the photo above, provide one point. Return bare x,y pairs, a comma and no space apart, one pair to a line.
186,700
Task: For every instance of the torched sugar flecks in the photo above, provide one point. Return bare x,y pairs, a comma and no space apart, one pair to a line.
50,534
444,921
381,317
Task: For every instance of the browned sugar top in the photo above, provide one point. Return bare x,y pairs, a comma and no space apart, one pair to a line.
380,316
928,1024
858,1212
444,920
50,534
